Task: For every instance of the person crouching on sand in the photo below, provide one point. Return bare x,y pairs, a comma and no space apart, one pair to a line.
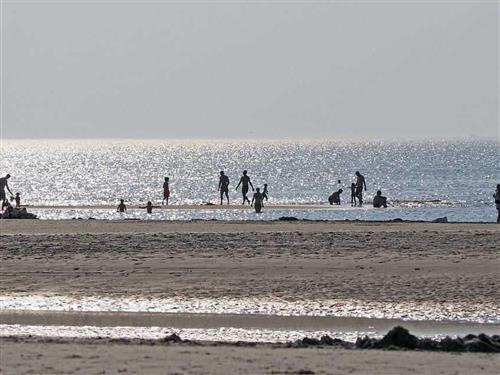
149,207
257,201
335,197
121,207
497,201
379,200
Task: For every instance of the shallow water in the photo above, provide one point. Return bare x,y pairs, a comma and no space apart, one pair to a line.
423,180
478,313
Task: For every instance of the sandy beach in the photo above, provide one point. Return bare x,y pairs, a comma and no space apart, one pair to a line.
322,270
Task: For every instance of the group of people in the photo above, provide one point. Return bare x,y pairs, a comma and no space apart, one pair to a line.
6,205
245,183
357,189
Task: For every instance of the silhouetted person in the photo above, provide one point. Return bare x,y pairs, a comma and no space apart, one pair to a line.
4,185
353,194
497,201
223,187
335,197
257,201
18,200
121,207
244,182
9,209
149,207
166,190
265,192
379,200
360,183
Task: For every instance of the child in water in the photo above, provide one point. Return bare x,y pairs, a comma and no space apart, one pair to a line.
149,207
257,201
18,200
264,194
353,194
121,207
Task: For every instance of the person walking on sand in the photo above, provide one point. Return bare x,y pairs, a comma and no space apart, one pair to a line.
360,183
497,202
121,207
4,185
257,201
166,190
223,187
244,182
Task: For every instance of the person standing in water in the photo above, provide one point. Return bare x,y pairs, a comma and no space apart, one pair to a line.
353,194
121,207
4,185
497,202
223,187
166,190
149,207
244,182
265,193
257,201
360,183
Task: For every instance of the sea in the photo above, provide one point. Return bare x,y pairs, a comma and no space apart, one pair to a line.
423,180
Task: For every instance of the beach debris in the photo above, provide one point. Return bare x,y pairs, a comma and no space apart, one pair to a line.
18,213
443,219
288,218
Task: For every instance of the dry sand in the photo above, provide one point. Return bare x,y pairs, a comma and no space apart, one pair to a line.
95,358
416,263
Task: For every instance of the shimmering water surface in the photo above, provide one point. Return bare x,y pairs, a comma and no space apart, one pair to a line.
423,180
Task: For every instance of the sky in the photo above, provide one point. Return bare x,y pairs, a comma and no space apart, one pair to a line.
275,69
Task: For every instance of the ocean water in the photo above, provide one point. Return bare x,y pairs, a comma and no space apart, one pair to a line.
423,180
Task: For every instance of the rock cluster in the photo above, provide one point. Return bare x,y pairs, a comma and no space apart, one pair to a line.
400,338
17,213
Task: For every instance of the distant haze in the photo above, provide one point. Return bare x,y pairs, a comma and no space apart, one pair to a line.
224,69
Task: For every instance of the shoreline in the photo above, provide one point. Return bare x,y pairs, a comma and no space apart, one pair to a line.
93,226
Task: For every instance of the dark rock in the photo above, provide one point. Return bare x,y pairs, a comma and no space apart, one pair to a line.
288,218
307,341
172,338
17,213
482,343
327,340
451,345
397,220
400,337
440,220
428,344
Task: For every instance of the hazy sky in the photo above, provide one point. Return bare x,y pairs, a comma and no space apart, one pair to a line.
158,69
